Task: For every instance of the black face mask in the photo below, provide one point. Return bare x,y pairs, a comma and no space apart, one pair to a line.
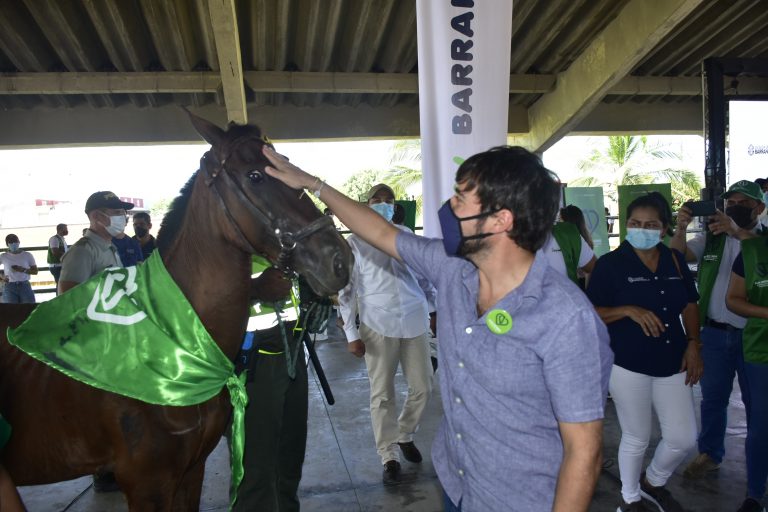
140,232
741,215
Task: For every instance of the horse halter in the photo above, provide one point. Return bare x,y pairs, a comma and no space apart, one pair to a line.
286,239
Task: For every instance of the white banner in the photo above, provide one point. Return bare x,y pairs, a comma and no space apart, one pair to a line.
747,140
464,54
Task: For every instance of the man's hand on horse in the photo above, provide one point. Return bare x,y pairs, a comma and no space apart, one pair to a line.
270,286
286,172
356,348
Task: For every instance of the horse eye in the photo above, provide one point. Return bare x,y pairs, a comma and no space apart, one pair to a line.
256,176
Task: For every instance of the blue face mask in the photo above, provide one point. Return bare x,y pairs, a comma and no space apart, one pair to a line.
13,246
450,225
765,198
386,210
643,239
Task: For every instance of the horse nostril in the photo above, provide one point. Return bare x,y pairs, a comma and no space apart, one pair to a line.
339,269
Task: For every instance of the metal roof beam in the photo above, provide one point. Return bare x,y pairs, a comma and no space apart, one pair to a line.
224,21
638,28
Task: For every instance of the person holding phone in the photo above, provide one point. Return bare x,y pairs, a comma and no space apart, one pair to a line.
715,251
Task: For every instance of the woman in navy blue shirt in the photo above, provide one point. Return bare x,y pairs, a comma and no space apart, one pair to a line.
641,290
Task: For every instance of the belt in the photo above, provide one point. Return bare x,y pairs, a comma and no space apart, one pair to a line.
720,325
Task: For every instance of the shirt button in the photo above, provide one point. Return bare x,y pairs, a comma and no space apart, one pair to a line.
656,278
662,292
667,341
458,436
461,364
666,325
457,400
468,330
664,309
461,472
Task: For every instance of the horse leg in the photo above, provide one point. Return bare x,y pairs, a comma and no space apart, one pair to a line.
147,491
189,489
10,501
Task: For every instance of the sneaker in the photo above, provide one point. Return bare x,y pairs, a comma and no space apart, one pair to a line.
410,452
700,466
659,496
391,472
751,505
635,506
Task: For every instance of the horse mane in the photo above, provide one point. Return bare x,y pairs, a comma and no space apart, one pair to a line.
171,224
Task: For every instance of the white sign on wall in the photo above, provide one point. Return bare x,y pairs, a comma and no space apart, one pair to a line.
747,140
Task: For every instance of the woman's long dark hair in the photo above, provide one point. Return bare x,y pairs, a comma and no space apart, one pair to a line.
574,215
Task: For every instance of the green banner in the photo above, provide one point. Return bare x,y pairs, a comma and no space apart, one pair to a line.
132,331
628,193
590,201
410,213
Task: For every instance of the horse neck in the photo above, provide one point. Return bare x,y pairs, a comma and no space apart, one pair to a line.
213,274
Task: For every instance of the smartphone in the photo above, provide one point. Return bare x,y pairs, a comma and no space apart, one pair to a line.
700,208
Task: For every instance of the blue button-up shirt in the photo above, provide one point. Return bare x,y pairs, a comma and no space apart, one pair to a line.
499,445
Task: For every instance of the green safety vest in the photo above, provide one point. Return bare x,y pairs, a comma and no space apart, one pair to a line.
52,258
569,239
754,251
708,269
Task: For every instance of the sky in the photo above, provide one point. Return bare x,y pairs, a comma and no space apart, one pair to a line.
158,172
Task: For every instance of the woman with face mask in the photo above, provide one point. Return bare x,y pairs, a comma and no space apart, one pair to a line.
18,265
641,290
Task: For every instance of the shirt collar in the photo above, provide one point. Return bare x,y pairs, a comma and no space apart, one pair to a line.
92,235
530,288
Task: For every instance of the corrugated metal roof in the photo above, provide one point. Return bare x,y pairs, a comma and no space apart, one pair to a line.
351,36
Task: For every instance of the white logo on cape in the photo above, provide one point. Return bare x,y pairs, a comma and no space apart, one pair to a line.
109,300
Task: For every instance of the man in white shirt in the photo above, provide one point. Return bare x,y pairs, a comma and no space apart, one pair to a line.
394,310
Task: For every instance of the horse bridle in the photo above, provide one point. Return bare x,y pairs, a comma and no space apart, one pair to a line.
286,239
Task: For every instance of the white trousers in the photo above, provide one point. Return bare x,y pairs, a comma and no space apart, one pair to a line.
635,395
382,355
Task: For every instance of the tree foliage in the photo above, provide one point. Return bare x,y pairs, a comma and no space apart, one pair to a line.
631,160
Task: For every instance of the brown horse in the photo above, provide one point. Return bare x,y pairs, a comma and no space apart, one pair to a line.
227,211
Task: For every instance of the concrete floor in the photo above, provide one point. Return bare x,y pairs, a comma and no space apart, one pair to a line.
342,471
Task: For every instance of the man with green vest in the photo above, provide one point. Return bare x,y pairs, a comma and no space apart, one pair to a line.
715,250
748,297
568,252
57,246
276,415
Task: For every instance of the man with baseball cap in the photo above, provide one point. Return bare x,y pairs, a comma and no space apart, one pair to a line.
721,336
394,308
95,251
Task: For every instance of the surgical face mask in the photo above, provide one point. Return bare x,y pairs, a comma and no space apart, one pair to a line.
643,239
140,232
765,198
116,224
450,225
13,246
386,210
741,215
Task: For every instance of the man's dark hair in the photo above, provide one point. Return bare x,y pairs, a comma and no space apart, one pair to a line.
142,215
656,201
11,238
398,217
513,178
61,226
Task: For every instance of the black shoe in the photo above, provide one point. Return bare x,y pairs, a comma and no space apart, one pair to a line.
635,506
105,482
659,496
751,505
410,452
391,472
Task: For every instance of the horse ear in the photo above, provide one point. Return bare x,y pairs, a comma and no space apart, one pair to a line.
209,131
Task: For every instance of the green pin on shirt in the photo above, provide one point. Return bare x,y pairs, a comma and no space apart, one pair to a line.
499,321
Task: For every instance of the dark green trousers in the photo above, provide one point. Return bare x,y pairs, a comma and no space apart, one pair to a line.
275,430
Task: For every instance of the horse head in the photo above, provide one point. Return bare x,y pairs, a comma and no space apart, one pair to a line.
265,217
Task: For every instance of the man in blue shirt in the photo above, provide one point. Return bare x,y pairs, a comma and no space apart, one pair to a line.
524,358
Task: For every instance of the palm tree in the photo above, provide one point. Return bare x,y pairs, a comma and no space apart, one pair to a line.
630,160
405,170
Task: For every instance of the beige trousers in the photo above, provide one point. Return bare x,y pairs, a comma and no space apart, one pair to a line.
382,355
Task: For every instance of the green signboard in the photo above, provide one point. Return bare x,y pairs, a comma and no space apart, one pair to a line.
590,201
410,213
